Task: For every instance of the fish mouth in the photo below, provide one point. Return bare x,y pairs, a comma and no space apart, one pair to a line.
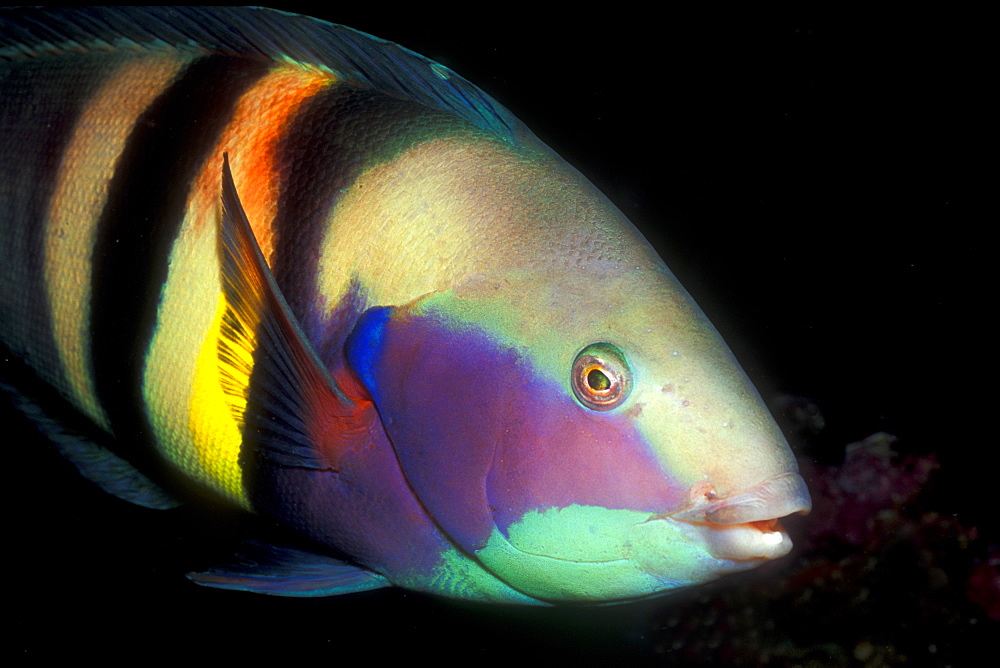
744,526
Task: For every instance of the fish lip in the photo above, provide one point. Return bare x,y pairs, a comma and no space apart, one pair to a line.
744,527
778,496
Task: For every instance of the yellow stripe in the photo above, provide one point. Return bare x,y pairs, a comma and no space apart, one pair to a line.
217,415
78,201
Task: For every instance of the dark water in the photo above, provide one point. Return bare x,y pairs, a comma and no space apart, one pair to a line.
812,184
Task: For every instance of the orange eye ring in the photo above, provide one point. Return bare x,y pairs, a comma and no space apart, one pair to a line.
601,377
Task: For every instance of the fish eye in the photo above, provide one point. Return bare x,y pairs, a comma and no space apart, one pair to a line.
601,377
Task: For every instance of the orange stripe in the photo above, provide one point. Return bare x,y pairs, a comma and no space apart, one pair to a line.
252,138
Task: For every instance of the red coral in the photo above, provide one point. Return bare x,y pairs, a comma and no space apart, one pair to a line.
983,585
854,502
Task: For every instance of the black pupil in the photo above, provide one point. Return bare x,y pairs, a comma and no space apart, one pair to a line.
598,380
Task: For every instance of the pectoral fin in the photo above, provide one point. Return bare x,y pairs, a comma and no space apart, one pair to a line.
298,415
288,571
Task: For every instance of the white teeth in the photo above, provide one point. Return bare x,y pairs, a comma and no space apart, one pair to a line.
745,542
772,538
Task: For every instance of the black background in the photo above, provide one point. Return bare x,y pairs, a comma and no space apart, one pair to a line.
811,181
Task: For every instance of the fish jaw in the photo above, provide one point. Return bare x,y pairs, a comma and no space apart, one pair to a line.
587,553
595,554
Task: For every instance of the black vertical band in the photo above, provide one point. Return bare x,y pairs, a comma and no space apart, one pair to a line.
141,220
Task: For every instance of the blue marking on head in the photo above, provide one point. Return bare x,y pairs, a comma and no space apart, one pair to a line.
365,343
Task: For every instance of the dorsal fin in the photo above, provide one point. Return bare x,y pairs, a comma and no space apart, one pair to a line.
254,32
298,416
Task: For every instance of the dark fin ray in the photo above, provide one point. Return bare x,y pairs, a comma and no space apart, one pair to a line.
287,571
95,462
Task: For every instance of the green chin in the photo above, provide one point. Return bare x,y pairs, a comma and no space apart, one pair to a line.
593,554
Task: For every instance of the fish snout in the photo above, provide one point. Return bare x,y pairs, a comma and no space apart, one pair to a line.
744,525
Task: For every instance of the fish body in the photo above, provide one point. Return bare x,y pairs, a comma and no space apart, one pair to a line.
340,287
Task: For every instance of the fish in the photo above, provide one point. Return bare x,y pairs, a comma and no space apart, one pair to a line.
307,272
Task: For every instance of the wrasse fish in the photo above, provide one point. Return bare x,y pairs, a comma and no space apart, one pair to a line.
333,283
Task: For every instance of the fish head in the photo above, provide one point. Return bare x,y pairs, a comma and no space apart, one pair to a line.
592,442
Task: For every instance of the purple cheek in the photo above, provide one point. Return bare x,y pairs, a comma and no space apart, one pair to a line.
561,454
